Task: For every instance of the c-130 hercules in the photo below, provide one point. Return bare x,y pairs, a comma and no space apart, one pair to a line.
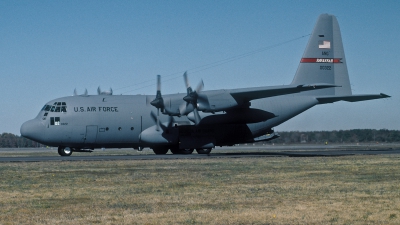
199,119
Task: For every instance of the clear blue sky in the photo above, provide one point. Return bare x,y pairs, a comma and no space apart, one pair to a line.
49,48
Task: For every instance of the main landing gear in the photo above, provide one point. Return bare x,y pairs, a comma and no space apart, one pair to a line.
67,151
174,150
203,150
64,151
160,150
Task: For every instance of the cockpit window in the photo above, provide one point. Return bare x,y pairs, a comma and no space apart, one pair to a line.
56,107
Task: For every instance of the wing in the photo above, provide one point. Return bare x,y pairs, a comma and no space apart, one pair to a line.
248,94
222,100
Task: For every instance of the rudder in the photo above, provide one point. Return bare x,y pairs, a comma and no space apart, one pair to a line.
324,60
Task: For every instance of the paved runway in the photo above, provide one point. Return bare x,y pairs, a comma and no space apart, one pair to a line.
247,151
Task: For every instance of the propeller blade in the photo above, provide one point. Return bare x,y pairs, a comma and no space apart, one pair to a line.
153,116
75,92
200,86
156,119
171,121
185,108
148,100
186,79
98,90
158,102
158,82
182,108
197,117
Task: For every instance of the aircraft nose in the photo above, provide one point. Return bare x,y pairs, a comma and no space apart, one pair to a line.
31,129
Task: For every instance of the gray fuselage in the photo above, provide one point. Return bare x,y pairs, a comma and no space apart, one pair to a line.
97,121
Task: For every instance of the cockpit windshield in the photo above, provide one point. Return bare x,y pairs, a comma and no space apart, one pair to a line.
56,107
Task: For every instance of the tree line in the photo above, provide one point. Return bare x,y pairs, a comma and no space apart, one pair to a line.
341,136
8,140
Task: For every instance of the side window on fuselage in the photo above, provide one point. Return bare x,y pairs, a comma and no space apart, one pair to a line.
55,121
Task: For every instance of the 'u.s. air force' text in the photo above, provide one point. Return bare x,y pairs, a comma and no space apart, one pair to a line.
96,109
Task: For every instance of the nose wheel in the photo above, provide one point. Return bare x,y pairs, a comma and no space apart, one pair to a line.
64,151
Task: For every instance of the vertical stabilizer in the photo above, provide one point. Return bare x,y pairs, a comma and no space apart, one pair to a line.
323,60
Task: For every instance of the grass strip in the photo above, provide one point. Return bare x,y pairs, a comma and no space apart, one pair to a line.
272,190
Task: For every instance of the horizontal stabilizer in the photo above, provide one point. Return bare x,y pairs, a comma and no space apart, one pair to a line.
248,94
350,98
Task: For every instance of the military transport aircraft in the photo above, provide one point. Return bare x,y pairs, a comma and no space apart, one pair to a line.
198,119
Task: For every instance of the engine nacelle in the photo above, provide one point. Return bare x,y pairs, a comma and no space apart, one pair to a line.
153,137
216,101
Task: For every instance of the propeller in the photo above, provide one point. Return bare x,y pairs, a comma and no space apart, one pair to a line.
99,92
160,125
191,99
84,94
158,102
156,120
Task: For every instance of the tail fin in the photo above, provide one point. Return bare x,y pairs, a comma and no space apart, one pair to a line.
323,60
